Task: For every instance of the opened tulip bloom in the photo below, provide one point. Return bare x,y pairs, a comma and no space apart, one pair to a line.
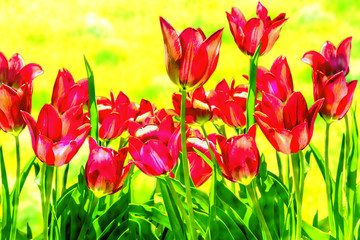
153,147
16,90
190,57
105,172
249,34
336,92
330,60
198,109
288,127
240,160
56,140
67,93
278,81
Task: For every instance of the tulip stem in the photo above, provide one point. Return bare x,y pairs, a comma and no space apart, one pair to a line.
16,189
258,211
298,179
328,182
91,207
46,185
251,99
185,165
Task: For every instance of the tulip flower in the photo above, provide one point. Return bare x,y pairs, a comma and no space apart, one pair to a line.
67,93
113,115
154,148
200,171
229,103
288,127
144,111
240,160
105,172
198,109
277,81
190,57
249,34
15,91
56,140
330,60
337,94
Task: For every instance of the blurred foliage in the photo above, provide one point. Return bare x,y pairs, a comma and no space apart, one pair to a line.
123,43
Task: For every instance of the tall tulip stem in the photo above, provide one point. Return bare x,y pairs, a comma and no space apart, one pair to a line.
185,164
328,182
298,175
251,99
258,211
17,190
47,173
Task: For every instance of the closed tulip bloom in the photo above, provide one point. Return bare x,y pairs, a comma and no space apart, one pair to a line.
154,148
16,90
336,92
190,57
288,127
105,172
249,34
56,140
277,81
330,60
67,93
198,109
240,160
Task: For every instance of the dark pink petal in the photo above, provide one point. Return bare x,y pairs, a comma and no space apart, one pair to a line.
135,146
16,63
4,68
49,123
122,99
295,111
112,126
200,171
281,69
71,120
317,62
81,134
31,123
166,128
234,114
343,55
44,150
314,109
273,108
238,17
237,23
92,143
270,36
301,137
64,152
75,96
346,102
328,50
252,131
64,81
4,124
261,11
254,31
10,105
174,145
28,73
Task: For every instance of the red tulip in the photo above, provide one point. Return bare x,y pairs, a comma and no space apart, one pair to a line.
337,94
229,103
249,34
144,111
200,171
154,148
277,81
330,60
113,115
67,93
104,171
288,127
15,91
56,139
190,57
198,109
240,160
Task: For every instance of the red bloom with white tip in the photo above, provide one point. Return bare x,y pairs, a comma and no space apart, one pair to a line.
337,94
105,172
198,109
249,34
277,81
15,91
330,60
67,93
154,147
56,140
190,57
240,160
288,127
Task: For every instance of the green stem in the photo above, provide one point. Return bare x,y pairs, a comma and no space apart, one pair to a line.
258,212
92,204
17,190
46,185
328,183
250,102
185,165
178,203
298,175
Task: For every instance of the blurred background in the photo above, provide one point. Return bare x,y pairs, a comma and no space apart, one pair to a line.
123,43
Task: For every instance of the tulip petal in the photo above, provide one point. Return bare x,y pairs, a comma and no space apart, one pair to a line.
314,109
75,96
44,150
261,12
317,62
82,132
273,107
328,50
271,35
122,99
64,152
92,143
4,124
200,171
31,123
71,120
4,68
112,126
16,63
49,123
28,73
64,81
343,55
346,102
300,137
254,31
234,115
10,105
295,110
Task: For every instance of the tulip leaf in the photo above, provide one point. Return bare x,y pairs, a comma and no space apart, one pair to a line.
338,200
6,218
149,212
145,228
233,228
65,176
94,115
315,233
205,158
321,163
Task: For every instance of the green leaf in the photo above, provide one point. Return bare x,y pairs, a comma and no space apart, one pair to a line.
28,231
145,228
149,212
315,233
6,218
321,163
94,115
65,176
233,228
206,159
338,200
